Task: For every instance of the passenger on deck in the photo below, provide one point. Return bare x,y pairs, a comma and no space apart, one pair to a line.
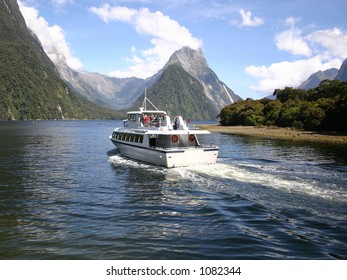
175,126
145,120
153,120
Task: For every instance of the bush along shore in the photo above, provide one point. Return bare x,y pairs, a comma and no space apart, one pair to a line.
323,108
317,114
280,133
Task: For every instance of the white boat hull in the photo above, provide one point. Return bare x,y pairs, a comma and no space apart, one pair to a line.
173,157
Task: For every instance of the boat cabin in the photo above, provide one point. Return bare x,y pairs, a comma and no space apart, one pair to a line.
152,136
156,120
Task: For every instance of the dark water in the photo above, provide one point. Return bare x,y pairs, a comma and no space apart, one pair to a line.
66,194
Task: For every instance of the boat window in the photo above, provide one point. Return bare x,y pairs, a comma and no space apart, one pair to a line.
153,140
132,117
129,137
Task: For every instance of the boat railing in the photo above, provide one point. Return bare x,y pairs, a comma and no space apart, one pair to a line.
212,145
160,122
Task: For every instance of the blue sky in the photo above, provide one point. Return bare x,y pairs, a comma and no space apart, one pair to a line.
253,46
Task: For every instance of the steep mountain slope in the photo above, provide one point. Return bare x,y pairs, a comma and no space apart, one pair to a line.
107,91
315,79
194,63
342,74
30,86
122,93
177,92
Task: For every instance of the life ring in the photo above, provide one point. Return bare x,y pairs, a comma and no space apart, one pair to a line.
174,138
191,137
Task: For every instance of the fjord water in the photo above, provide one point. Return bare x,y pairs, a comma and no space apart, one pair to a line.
65,193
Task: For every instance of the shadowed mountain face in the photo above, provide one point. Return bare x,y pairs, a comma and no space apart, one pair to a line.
194,63
121,93
30,86
315,79
331,74
342,74
177,92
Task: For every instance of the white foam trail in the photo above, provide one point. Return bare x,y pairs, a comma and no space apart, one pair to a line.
292,185
239,173
121,161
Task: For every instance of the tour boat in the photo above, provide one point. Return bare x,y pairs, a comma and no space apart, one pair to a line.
150,136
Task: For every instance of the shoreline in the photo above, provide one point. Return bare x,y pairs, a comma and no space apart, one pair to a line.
278,133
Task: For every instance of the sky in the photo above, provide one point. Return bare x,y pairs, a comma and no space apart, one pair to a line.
254,47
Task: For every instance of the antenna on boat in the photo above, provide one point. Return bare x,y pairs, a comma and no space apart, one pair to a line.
145,100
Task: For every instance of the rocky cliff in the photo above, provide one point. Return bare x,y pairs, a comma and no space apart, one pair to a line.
179,93
122,93
30,86
195,63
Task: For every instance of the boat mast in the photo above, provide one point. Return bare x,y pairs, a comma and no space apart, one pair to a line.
145,102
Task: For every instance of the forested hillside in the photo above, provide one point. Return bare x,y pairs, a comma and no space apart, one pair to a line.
320,108
30,86
177,92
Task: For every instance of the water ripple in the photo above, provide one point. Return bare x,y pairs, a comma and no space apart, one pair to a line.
67,194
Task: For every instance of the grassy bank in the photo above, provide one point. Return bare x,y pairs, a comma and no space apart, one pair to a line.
279,133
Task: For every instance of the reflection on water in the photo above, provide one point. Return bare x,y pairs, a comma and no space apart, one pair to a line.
65,193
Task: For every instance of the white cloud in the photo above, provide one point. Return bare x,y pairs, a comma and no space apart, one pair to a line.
52,38
323,49
249,20
167,36
108,13
285,73
291,41
333,40
291,21
60,3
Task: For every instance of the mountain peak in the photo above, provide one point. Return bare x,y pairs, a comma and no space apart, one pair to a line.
315,79
195,64
193,61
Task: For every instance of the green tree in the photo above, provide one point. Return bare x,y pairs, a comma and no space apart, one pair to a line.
321,108
289,113
289,93
272,111
311,115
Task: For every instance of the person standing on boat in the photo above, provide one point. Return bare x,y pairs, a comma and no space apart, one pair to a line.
175,123
145,120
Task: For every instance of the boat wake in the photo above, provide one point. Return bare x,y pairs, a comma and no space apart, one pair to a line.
272,178
271,185
122,162
250,180
276,190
